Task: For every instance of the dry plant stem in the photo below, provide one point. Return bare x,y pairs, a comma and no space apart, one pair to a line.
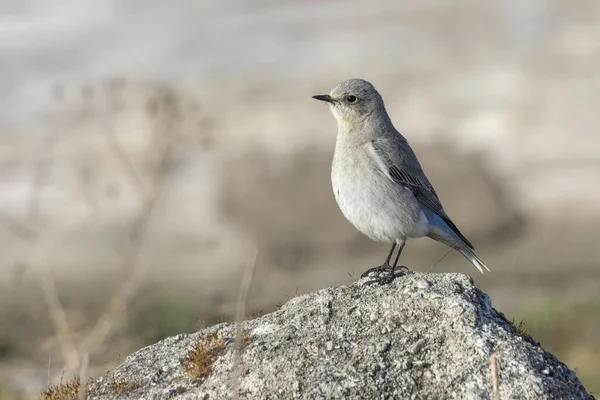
247,279
441,258
240,315
131,275
42,175
125,162
45,279
49,367
130,280
59,319
83,375
494,371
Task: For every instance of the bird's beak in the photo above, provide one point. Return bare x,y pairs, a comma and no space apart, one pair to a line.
324,97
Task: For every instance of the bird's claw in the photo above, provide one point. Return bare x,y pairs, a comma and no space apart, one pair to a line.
385,273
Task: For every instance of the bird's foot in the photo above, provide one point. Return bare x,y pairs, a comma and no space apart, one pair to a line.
384,273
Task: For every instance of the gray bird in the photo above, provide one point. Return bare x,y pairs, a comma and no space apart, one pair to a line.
377,180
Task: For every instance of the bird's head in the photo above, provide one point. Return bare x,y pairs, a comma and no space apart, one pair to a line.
352,101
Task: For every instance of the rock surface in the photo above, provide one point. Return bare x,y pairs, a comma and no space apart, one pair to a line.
423,336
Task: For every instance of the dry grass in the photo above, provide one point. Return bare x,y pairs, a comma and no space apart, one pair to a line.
123,386
245,339
521,330
201,358
242,337
64,391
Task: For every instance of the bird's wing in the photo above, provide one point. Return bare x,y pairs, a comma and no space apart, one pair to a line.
398,161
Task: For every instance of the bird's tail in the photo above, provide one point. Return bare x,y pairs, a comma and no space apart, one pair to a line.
470,255
443,230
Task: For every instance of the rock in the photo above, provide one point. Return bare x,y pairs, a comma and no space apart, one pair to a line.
423,336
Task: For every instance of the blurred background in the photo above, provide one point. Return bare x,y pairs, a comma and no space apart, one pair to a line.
149,148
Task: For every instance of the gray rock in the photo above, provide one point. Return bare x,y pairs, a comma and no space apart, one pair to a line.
423,336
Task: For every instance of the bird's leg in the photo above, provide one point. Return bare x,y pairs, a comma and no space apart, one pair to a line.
389,257
392,272
384,267
398,256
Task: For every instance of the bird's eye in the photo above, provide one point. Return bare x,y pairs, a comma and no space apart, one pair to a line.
351,99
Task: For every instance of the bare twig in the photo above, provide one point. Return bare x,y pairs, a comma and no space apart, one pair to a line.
78,357
129,281
130,277
59,318
49,366
247,279
83,376
125,161
240,315
494,370
57,313
42,174
441,258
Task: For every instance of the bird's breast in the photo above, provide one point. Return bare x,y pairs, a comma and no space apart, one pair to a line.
372,202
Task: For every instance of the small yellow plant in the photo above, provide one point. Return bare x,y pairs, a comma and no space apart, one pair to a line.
245,339
521,330
124,386
63,391
200,359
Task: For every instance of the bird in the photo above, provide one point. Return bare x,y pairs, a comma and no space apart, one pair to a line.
378,182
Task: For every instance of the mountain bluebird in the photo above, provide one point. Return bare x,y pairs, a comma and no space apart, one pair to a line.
377,180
